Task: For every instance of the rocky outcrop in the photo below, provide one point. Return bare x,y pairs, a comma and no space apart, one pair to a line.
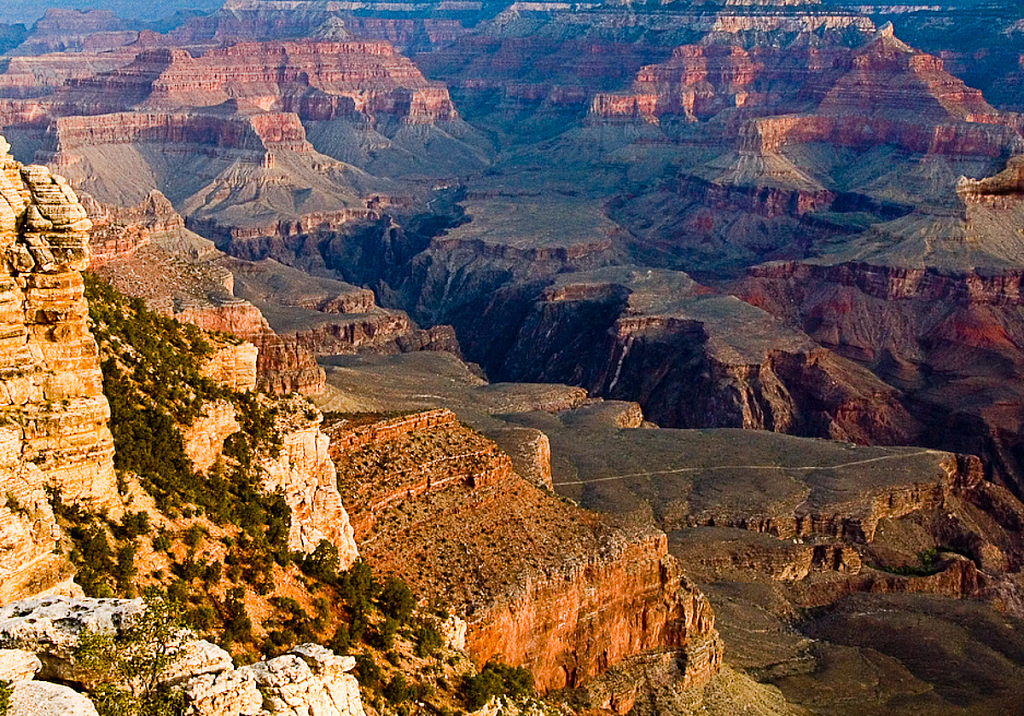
42,698
50,627
284,367
697,82
203,440
530,451
910,325
229,692
277,82
56,415
61,30
570,626
339,78
301,470
538,582
117,232
250,138
18,665
420,453
345,438
307,681
701,361
233,365
54,382
882,92
305,474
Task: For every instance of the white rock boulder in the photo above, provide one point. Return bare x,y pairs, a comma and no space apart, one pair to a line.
41,698
18,665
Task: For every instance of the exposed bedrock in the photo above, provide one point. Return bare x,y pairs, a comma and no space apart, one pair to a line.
882,92
541,583
690,358
572,626
55,433
949,340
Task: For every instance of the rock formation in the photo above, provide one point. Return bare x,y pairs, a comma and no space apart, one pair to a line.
56,436
540,584
309,680
62,30
34,697
304,472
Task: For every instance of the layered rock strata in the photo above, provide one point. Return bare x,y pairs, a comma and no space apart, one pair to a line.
540,584
56,434
631,599
882,92
420,453
305,474
646,330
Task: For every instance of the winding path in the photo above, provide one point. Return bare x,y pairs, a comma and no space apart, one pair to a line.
712,468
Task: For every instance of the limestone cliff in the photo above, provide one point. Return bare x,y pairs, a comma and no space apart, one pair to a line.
304,472
52,406
571,624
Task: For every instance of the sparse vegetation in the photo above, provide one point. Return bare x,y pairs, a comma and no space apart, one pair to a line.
6,690
930,562
226,544
496,679
127,665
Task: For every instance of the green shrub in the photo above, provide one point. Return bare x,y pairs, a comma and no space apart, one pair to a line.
383,637
124,572
359,623
237,624
322,563
152,379
357,586
128,664
193,536
133,524
367,671
428,641
396,690
342,639
6,689
396,600
161,543
495,679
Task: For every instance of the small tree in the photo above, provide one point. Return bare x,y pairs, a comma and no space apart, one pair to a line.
127,665
396,600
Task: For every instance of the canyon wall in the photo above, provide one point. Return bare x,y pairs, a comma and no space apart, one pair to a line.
540,583
570,626
53,403
304,472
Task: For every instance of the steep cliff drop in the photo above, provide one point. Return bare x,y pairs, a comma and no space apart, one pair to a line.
541,583
54,414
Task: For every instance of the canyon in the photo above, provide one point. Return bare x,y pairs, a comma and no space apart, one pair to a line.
673,350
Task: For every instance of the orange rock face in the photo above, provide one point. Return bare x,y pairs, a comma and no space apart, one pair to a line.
571,626
52,386
541,584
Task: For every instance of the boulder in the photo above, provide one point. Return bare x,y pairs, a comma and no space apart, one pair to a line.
41,698
50,627
231,693
308,681
18,665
